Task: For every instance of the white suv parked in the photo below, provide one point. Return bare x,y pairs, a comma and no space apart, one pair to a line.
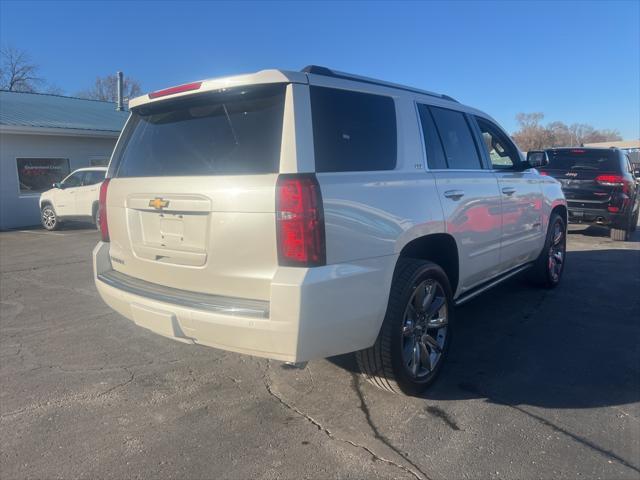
74,198
300,215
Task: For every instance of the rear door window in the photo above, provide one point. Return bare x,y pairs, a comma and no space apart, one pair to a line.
582,159
459,147
353,131
234,132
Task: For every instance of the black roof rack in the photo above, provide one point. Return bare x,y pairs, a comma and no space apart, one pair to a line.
327,72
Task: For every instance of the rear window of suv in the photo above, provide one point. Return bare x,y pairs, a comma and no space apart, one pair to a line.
582,159
238,131
353,131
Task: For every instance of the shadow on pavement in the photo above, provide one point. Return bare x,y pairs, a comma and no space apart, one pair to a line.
577,346
595,231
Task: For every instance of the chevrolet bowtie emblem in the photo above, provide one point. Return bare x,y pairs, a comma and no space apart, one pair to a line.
158,203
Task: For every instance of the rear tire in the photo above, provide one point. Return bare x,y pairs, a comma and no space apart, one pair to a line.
412,345
623,234
619,234
48,218
634,221
549,266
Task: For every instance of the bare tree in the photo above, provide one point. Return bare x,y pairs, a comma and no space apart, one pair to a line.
529,120
532,135
106,89
17,72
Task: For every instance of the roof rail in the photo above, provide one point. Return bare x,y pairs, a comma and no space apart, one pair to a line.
327,72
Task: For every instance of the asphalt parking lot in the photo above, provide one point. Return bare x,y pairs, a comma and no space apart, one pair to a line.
540,384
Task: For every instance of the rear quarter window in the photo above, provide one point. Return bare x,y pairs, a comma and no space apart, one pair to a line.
353,131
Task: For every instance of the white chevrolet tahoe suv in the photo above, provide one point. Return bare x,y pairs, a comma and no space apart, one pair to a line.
74,198
300,215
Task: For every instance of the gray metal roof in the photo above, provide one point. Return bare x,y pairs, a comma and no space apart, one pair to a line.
55,111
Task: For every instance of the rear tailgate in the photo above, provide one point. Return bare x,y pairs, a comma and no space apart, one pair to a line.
580,171
581,188
191,201
220,240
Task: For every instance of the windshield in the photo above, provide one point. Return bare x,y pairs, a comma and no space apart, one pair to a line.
238,131
581,159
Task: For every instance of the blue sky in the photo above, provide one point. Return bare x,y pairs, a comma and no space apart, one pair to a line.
574,61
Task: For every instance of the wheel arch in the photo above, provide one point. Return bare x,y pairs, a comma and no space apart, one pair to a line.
562,211
48,203
439,248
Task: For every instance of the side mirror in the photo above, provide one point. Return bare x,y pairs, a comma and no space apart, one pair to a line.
57,185
537,158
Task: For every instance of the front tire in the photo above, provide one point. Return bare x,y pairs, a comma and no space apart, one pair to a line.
549,266
414,340
48,218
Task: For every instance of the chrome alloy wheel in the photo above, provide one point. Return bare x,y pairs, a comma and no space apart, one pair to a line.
557,252
48,218
424,328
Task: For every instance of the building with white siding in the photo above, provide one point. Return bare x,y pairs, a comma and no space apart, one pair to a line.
42,139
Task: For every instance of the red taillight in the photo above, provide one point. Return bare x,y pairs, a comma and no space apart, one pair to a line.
187,87
613,209
102,210
578,150
613,180
610,180
544,174
300,221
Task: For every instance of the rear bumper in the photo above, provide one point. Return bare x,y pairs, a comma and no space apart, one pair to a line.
597,217
312,313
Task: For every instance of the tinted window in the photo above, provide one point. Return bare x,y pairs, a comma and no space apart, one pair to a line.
38,174
238,131
93,176
500,150
582,159
435,154
73,180
457,140
353,131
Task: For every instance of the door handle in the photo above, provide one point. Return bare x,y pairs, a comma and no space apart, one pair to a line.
508,190
454,194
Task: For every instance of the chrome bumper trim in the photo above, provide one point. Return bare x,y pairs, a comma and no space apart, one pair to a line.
240,307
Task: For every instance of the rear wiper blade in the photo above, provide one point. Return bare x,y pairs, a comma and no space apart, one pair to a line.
233,132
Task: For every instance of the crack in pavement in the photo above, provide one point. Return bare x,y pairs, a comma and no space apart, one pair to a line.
355,383
577,438
90,292
48,265
127,368
63,400
332,435
120,385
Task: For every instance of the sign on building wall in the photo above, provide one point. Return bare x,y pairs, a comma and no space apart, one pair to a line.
38,174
